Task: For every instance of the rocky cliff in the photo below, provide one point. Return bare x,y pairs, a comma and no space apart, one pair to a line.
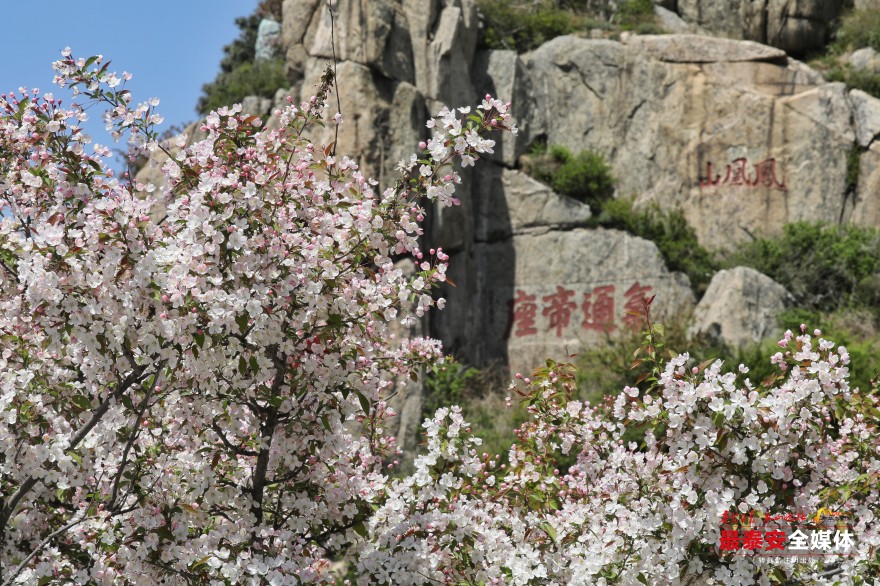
737,135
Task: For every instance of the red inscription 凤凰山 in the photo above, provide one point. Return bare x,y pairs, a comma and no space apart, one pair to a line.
763,175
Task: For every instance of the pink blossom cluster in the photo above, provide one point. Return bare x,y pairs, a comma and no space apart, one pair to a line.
652,513
193,375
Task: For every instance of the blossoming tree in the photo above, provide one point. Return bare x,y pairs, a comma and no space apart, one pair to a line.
721,457
192,383
192,377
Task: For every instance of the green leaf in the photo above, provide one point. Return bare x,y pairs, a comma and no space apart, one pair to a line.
200,340
76,457
334,320
365,403
242,321
165,533
89,61
242,365
255,366
718,419
549,530
326,423
82,402
360,529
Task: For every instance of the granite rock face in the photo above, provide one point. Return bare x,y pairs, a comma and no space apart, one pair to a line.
550,293
740,307
739,136
735,134
796,26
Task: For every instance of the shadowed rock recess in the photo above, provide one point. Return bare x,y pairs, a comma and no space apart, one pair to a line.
737,135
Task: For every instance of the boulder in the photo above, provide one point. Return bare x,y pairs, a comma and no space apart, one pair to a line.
796,26
740,307
363,32
383,119
701,49
865,59
450,52
863,204
256,105
509,202
670,22
866,116
268,45
550,293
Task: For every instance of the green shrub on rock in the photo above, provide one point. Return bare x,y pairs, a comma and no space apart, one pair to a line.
262,78
859,28
524,26
822,265
669,230
585,177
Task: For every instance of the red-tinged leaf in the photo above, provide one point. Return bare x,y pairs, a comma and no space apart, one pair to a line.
636,363
769,380
642,377
702,366
451,282
329,148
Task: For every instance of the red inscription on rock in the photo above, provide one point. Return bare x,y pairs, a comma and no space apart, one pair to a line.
598,308
762,174
559,309
524,313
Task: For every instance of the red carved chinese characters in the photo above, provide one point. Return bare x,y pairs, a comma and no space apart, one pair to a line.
559,309
737,174
524,313
598,308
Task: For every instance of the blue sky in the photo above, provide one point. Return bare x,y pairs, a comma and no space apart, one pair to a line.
171,47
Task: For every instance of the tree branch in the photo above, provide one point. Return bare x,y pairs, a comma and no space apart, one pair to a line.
99,413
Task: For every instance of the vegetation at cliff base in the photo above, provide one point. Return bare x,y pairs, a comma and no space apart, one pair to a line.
826,267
